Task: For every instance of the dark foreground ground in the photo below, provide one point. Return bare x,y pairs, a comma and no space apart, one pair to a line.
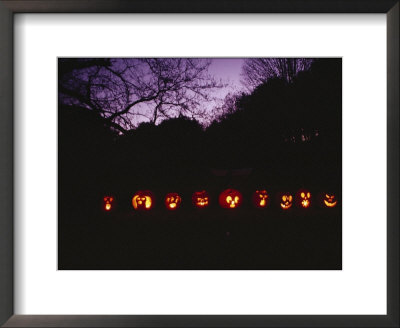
210,239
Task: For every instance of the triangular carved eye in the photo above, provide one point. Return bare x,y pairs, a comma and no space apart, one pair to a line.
330,200
107,203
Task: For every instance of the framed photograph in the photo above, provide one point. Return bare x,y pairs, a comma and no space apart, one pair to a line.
208,164
200,170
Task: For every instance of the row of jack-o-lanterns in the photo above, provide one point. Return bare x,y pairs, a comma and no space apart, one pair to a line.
229,198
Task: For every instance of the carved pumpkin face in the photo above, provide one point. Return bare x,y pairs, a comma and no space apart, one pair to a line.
260,198
286,201
142,200
230,198
304,198
173,201
200,199
108,203
330,200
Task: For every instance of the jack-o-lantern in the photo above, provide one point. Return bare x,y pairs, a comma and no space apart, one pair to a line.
285,201
172,201
200,199
260,198
304,198
142,200
108,203
330,200
230,198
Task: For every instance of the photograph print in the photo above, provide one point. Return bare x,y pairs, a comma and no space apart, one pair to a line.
199,163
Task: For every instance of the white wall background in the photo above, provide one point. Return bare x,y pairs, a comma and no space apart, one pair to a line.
360,288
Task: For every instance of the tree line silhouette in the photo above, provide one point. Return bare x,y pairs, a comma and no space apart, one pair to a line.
127,125
288,133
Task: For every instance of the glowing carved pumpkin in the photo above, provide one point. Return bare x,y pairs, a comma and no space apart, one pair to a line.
286,201
142,200
107,203
173,201
330,200
260,198
200,199
230,198
304,198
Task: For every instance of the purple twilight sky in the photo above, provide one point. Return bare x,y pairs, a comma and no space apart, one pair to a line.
227,69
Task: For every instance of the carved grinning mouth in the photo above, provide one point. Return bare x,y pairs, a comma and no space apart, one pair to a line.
330,201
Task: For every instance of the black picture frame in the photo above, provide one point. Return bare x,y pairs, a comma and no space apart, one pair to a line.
10,7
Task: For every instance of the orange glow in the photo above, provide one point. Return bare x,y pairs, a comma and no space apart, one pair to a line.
230,198
286,201
330,200
200,199
107,203
304,198
202,202
260,198
142,200
232,201
173,201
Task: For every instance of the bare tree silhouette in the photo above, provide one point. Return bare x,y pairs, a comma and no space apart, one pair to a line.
126,92
230,104
256,71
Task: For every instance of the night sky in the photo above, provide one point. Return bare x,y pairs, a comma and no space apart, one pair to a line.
282,138
227,69
226,72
